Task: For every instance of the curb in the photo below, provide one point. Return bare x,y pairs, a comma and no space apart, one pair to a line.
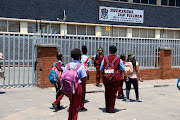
140,87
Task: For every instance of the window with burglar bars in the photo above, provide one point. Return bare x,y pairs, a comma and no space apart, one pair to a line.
80,30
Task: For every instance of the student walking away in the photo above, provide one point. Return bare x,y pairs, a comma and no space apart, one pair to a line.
58,67
72,80
85,60
97,62
133,75
120,88
111,77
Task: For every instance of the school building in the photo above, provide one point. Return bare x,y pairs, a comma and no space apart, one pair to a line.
118,18
148,28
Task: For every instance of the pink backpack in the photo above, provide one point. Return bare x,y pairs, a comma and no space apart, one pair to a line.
69,80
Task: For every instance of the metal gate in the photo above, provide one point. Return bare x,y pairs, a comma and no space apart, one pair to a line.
19,58
19,63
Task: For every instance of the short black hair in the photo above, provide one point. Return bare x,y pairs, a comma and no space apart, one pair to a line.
76,53
59,56
101,49
122,56
113,49
84,49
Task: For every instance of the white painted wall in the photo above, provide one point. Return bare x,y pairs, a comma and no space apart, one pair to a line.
23,27
129,32
157,34
98,31
63,29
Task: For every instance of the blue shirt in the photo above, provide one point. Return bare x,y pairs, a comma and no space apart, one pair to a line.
84,58
81,72
121,65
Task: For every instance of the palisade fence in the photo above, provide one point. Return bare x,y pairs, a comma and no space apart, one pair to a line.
20,57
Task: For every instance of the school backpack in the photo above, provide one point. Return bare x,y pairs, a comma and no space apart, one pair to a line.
110,70
178,84
54,74
69,80
128,68
85,64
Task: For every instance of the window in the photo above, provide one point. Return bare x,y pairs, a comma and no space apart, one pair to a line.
170,2
171,34
145,1
121,0
45,28
143,33
31,27
80,30
90,30
13,26
116,32
55,28
71,29
3,25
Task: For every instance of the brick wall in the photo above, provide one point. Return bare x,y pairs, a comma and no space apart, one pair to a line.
45,58
163,72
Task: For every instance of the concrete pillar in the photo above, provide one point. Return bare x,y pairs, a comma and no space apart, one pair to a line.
158,2
98,31
46,56
63,29
130,0
23,27
157,34
165,62
129,32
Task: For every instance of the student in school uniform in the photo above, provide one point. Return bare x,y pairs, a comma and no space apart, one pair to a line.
120,88
60,66
85,60
97,61
75,101
109,67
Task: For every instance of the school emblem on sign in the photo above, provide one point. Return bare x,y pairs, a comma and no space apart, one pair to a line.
104,13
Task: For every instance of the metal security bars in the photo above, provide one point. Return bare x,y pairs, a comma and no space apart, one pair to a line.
19,63
19,58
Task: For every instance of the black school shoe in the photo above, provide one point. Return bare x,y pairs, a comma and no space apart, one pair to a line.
111,111
55,106
83,110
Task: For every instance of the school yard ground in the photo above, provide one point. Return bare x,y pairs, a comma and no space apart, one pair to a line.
160,102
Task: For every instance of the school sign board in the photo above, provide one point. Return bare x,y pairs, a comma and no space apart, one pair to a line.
121,15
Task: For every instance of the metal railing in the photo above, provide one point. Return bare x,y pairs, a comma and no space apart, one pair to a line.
19,63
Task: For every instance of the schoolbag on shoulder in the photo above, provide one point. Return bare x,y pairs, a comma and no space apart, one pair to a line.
128,68
69,80
54,74
85,64
110,70
178,84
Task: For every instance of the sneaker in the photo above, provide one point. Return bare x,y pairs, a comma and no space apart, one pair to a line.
98,85
127,100
139,100
82,110
55,106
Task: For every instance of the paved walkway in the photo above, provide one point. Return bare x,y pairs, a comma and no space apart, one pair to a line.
32,103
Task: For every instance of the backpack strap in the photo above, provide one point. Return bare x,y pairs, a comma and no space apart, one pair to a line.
68,66
77,66
114,60
107,60
87,60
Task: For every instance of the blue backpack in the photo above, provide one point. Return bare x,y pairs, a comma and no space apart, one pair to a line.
54,74
178,84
